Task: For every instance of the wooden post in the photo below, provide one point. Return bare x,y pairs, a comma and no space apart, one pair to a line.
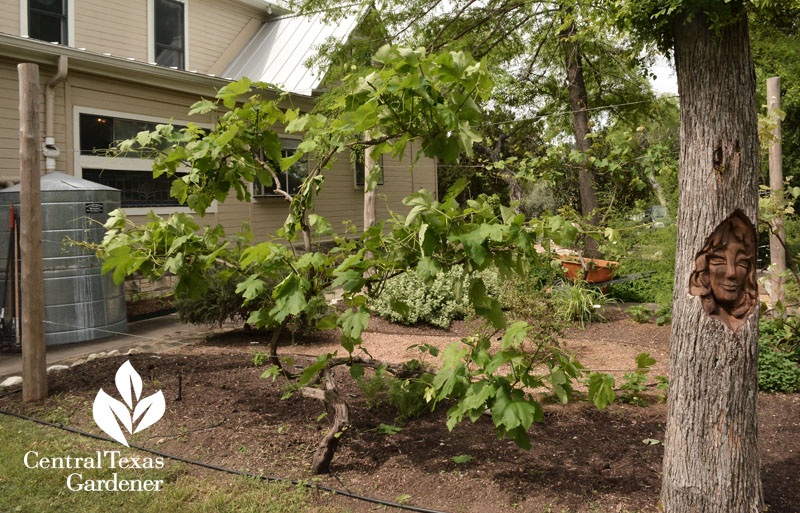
369,195
777,251
34,372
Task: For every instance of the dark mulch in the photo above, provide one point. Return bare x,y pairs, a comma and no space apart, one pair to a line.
582,459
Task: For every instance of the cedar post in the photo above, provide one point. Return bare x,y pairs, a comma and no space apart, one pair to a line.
777,252
34,372
369,195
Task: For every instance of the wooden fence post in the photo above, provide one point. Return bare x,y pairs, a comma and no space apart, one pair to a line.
777,251
34,371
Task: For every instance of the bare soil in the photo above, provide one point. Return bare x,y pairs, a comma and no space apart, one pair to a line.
582,459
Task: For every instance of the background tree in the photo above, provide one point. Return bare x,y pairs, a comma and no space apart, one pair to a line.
531,48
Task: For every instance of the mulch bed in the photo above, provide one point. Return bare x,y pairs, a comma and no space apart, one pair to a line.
582,459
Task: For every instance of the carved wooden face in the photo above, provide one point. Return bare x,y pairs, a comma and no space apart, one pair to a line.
728,268
724,274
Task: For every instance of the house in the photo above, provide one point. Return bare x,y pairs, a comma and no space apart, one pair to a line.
116,67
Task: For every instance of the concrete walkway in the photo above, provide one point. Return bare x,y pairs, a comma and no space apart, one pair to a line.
147,336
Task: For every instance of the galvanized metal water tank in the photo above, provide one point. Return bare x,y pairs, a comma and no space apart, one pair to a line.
80,302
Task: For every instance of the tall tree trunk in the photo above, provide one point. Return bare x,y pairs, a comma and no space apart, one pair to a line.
580,125
711,461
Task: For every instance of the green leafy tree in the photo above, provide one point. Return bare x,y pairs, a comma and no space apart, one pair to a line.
410,96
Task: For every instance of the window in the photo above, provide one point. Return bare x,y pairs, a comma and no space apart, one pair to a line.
169,33
138,189
291,179
358,168
99,133
47,20
95,132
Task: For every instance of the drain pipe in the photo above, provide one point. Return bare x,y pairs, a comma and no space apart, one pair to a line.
49,149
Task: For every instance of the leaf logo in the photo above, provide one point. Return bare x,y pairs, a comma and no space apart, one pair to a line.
109,413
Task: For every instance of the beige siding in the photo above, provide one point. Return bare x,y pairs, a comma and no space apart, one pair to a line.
340,201
118,27
99,93
213,26
9,119
9,21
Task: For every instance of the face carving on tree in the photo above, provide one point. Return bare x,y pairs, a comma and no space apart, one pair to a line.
724,275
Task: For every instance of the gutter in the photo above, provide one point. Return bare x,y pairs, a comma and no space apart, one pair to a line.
118,68
49,149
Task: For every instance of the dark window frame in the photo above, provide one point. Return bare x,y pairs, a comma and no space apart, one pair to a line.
289,148
359,168
63,18
145,191
181,47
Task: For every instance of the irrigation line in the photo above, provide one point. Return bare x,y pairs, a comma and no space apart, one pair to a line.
251,475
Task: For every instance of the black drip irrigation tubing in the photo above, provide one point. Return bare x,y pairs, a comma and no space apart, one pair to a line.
217,468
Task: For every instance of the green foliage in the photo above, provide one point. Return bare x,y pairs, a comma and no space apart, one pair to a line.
640,313
387,429
779,354
664,315
260,358
776,372
781,334
462,458
775,43
643,250
220,302
579,302
635,383
374,388
432,303
408,396
411,96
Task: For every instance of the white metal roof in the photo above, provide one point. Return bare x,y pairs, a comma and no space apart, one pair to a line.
278,50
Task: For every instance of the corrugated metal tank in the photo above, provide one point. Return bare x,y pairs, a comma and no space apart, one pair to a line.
80,301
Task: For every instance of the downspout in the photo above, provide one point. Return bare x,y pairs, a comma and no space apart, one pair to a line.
49,149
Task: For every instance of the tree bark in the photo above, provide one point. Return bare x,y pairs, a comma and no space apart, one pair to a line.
711,461
580,126
337,408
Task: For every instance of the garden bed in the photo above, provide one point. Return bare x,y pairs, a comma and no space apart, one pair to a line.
581,460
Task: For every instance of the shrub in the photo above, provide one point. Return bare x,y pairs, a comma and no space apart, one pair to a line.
781,334
435,303
260,358
523,295
219,304
644,250
776,372
408,396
